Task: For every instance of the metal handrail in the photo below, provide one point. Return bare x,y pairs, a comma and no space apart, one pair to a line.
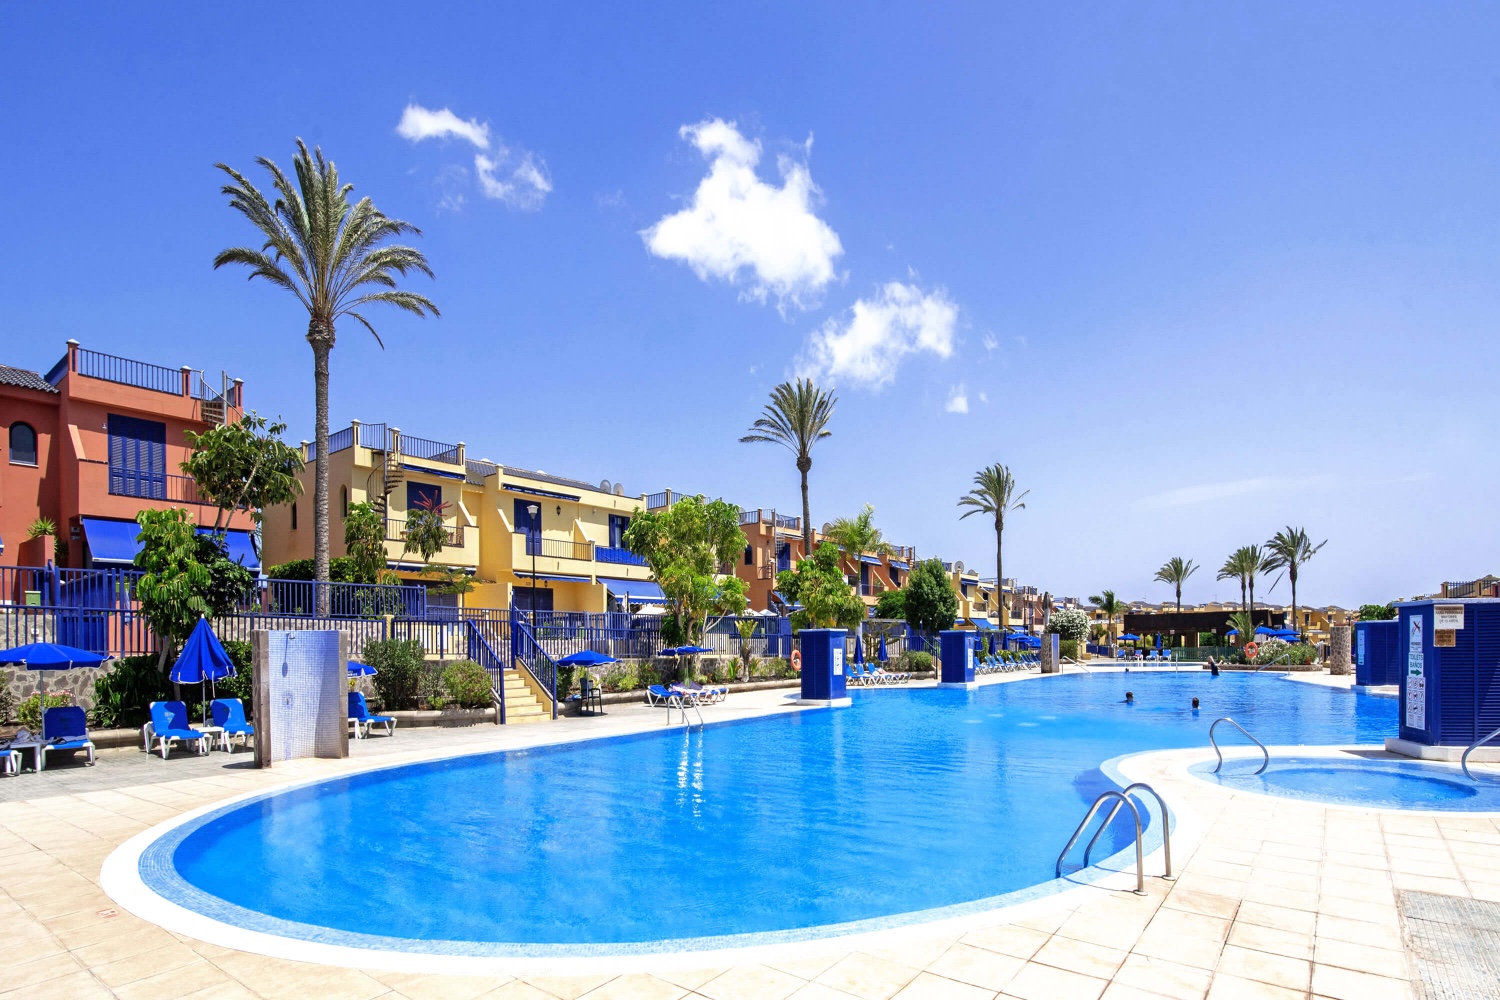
1140,864
1166,830
1264,764
1271,663
1463,761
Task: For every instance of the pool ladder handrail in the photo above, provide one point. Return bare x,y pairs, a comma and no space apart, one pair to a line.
1463,761
1264,764
1122,798
682,705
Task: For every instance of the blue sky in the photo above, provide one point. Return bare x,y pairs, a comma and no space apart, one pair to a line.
1194,272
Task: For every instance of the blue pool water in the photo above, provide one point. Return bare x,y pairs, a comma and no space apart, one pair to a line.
1379,783
908,801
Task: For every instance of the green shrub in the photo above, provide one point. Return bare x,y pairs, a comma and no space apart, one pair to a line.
400,666
1068,647
565,682
123,697
7,702
917,662
467,684
30,710
1377,612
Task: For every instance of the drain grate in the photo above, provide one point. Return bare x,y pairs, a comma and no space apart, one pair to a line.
1455,943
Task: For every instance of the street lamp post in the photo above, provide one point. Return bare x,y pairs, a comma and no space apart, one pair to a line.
534,542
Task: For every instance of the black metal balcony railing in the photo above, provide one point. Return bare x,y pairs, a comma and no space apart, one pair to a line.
141,374
558,548
395,531
436,451
154,486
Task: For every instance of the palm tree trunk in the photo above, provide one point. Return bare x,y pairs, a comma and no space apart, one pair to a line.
321,339
807,532
1000,574
1292,577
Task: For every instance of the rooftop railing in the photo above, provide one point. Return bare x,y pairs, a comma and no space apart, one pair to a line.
125,371
434,451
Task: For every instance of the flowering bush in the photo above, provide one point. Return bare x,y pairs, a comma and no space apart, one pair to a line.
1071,624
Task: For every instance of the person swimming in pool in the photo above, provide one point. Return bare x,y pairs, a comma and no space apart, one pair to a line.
1130,697
1195,704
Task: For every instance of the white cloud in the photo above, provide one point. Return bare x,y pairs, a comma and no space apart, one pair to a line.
516,177
1206,492
418,123
526,185
958,400
983,398
738,223
990,343
867,346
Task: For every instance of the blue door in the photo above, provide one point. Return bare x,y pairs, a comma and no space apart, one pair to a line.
783,557
137,457
530,526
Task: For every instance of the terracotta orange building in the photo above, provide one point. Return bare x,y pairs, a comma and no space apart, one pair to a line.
93,442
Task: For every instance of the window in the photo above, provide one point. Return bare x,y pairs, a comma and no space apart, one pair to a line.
749,556
617,525
22,444
137,457
423,496
783,557
294,517
344,501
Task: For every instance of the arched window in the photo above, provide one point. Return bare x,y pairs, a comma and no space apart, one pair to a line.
22,444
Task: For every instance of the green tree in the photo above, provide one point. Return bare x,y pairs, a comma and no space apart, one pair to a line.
1289,550
1243,623
336,259
857,536
186,576
364,540
1377,612
891,604
819,585
1111,606
1241,565
244,466
426,528
1174,572
684,545
931,604
796,418
994,493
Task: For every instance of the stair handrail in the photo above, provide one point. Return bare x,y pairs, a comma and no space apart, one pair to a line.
482,653
1166,828
1263,765
523,634
1463,761
1140,864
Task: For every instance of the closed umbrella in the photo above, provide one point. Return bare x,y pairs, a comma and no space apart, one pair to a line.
202,659
881,654
859,651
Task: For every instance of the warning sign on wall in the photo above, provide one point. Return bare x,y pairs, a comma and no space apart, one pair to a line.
1416,677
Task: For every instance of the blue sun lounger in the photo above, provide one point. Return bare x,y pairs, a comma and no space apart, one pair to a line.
658,695
169,724
359,715
229,715
65,728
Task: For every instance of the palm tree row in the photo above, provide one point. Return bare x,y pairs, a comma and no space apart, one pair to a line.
1287,550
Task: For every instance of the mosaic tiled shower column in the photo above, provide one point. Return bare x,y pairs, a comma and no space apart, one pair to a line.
301,695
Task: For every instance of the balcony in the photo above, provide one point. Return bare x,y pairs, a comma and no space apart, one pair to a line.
558,548
395,531
620,555
150,486
141,375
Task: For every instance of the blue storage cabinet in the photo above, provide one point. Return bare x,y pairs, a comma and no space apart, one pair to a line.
1377,659
823,678
1450,696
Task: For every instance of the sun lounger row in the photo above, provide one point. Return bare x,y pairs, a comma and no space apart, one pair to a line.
1006,661
1150,656
677,695
858,673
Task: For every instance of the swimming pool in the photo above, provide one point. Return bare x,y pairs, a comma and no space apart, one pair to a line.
908,806
1348,779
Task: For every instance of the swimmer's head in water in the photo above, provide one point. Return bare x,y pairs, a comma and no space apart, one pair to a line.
1130,696
1195,702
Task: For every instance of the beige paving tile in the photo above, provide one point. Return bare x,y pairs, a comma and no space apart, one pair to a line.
177,982
1120,991
1263,967
640,986
1108,929
76,986
1279,917
867,977
1043,982
749,983
977,966
1227,987
1169,979
1195,925
517,989
691,979
1272,940
1356,909
1198,952
805,966
1080,956
928,986
1346,984
1358,931
16,975
147,964
1257,892
421,987
1379,961
228,990
1009,939
567,987
1206,903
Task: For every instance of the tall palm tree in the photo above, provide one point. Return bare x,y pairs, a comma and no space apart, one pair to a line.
1256,562
1288,550
858,535
1241,566
796,418
994,493
335,258
1111,606
1175,572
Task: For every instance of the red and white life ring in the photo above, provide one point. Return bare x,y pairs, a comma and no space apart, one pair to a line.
1251,649
797,660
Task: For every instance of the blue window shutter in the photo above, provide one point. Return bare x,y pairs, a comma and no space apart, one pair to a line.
137,457
420,495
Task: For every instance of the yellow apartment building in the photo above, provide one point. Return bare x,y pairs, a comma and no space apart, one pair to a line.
543,541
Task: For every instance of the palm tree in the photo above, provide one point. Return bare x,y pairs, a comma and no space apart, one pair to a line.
1256,562
1175,572
796,418
1111,606
1289,549
1241,566
994,493
858,535
335,258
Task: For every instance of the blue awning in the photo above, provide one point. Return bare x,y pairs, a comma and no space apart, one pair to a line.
240,548
513,488
869,560
637,591
424,470
900,564
982,624
526,578
111,542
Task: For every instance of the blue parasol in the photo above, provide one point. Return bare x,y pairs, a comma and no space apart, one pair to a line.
202,659
859,651
589,658
51,656
881,654
357,669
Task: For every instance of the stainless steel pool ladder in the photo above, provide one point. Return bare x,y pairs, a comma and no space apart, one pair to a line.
1264,764
1463,761
1121,799
683,701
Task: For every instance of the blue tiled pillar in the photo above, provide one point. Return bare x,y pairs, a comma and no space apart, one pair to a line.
823,680
958,659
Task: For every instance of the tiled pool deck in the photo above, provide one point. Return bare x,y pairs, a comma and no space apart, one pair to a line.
1275,899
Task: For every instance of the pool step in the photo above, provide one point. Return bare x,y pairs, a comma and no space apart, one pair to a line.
521,705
